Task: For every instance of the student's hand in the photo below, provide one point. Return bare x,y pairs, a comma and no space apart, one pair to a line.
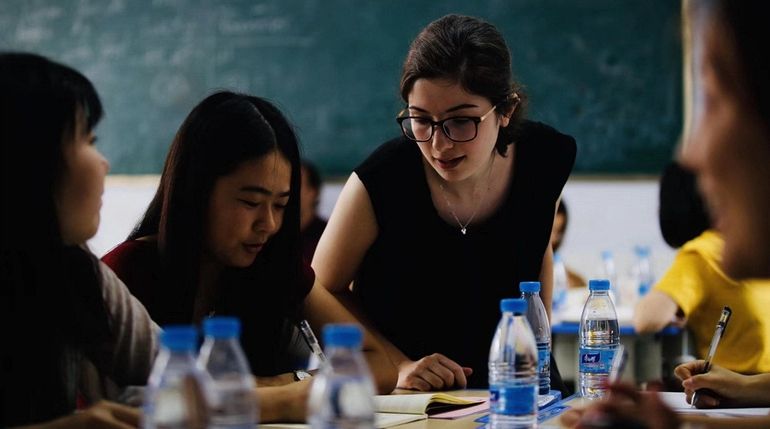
102,415
626,408
434,372
727,387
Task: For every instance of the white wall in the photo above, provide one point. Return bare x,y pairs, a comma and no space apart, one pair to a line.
604,215
612,215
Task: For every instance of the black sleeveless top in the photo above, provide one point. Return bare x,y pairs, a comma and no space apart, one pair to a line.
430,289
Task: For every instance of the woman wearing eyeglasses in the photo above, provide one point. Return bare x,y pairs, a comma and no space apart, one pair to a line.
436,226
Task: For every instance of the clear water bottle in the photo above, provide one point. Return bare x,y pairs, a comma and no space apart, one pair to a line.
174,396
230,385
342,394
560,287
599,337
513,380
538,321
610,273
644,276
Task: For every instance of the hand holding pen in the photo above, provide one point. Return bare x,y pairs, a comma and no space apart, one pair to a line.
724,317
312,341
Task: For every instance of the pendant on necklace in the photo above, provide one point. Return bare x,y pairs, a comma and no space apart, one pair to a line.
463,230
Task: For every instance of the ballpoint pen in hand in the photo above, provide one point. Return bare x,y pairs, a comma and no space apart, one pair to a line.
312,341
618,364
720,330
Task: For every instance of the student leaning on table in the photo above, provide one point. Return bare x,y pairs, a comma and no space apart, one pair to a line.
221,236
729,150
72,333
438,225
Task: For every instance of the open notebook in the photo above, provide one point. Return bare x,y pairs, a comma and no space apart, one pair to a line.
431,404
395,410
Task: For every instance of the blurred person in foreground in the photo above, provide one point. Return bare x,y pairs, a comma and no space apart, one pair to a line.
729,150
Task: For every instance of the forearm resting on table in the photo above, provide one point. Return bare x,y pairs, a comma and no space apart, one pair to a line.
654,312
274,380
392,352
757,389
286,403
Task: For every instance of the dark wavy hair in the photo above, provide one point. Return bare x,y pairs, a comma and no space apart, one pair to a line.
51,303
473,53
223,131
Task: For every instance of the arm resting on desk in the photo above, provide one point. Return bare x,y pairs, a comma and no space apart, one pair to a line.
351,230
654,312
321,308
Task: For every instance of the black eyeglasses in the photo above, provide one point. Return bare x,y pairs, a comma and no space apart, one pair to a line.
459,129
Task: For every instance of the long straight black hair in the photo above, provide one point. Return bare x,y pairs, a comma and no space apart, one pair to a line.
51,305
223,131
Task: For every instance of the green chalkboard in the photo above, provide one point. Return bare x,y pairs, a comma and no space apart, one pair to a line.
606,71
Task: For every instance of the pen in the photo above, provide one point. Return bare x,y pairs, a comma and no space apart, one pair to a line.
618,364
718,332
312,341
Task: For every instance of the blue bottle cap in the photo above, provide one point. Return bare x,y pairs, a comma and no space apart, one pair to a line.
529,286
513,305
179,337
557,257
606,254
342,335
642,251
222,327
598,284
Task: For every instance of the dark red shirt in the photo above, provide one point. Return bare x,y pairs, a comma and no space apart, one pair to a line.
268,336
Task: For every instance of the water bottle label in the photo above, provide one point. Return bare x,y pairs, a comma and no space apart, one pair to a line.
543,360
513,400
596,360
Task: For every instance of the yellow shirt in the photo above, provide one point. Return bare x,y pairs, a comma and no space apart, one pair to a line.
696,282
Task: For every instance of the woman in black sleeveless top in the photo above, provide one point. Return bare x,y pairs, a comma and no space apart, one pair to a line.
438,225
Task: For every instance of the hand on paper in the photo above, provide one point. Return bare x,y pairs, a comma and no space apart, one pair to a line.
434,372
728,387
623,408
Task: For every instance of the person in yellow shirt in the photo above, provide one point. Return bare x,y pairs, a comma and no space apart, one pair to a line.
695,288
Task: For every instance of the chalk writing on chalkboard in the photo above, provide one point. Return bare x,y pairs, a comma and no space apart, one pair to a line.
606,72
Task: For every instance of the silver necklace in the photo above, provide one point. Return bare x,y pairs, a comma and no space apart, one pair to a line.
464,227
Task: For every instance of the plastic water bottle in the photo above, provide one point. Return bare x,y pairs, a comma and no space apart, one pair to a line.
644,276
599,337
230,385
560,287
513,380
538,321
611,274
174,397
342,394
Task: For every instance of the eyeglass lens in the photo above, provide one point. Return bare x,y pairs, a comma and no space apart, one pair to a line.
459,129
